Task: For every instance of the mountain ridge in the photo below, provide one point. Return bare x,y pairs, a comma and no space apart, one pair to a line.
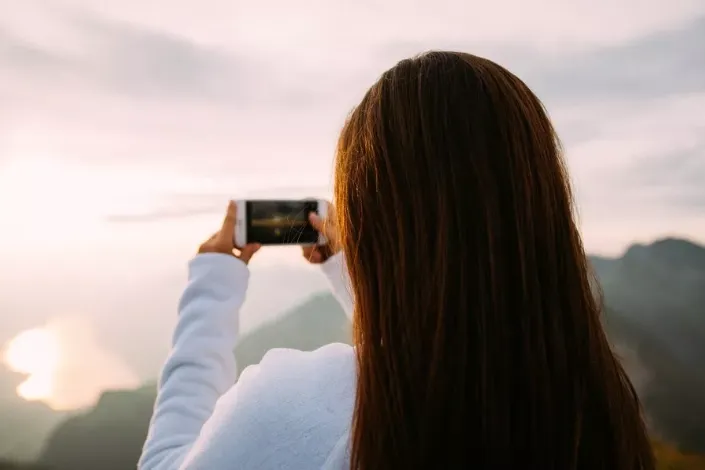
650,292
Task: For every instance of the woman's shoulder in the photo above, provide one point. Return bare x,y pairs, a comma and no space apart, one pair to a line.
333,355
303,377
292,407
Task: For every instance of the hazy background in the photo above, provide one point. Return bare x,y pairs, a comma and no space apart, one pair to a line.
126,125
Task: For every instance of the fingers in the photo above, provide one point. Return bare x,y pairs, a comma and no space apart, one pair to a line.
227,231
312,254
222,241
316,221
316,254
325,226
316,257
321,225
248,251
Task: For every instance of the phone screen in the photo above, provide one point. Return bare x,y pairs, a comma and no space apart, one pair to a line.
280,222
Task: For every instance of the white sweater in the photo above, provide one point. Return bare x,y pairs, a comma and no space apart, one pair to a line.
292,411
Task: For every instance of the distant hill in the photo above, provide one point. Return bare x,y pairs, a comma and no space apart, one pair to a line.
307,327
24,426
108,437
670,458
6,465
654,314
655,306
662,288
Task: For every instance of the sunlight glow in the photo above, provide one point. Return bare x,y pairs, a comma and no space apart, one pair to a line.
35,353
65,365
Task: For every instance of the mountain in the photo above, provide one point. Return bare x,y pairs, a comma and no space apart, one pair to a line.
24,426
662,287
654,315
670,458
109,436
316,323
654,299
7,465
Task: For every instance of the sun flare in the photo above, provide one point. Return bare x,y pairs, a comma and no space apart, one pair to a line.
36,354
64,364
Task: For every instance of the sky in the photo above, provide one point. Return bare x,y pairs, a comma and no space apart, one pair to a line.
126,125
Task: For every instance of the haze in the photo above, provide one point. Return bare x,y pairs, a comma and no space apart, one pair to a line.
126,125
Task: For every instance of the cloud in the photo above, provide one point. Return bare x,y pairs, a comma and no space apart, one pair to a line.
675,179
143,63
17,53
241,96
189,205
135,63
686,166
641,142
307,28
656,51
656,65
157,216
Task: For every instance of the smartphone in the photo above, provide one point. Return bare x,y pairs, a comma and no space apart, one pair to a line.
278,222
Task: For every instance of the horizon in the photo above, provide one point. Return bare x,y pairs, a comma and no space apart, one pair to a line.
61,333
125,127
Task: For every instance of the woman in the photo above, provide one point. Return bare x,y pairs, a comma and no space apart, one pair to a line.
478,341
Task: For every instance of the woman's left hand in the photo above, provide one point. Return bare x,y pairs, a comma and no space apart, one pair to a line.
317,254
223,241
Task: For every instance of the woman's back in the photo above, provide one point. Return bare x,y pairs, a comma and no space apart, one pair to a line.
478,338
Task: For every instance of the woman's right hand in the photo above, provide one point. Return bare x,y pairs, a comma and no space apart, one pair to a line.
317,254
223,241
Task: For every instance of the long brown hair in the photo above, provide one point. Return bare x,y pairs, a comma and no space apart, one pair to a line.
479,341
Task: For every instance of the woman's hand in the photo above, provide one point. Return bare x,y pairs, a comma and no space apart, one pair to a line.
223,241
318,254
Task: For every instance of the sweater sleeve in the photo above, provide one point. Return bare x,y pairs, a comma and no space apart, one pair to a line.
336,271
201,365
